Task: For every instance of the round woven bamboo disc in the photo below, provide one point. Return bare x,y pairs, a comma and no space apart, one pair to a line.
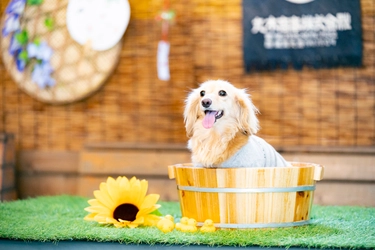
78,70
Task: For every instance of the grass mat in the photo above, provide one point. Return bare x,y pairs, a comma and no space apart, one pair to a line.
58,218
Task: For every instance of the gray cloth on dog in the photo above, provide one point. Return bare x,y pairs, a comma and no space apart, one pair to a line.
256,153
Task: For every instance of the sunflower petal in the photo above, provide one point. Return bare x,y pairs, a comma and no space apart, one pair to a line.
100,218
103,197
136,223
131,225
113,190
134,196
90,216
123,182
110,179
149,200
151,220
111,220
118,225
97,209
144,187
132,180
148,210
94,202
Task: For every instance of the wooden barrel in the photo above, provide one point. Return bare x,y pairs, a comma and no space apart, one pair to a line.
247,197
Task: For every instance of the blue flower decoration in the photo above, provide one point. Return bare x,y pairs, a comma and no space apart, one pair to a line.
40,51
23,51
20,61
14,46
41,75
16,7
42,71
12,23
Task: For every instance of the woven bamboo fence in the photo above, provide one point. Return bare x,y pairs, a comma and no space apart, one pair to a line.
326,107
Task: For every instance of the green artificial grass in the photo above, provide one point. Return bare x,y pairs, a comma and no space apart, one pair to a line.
59,218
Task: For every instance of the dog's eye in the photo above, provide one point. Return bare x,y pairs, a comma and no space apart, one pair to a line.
222,93
203,93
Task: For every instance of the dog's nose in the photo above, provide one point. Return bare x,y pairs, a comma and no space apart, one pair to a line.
206,102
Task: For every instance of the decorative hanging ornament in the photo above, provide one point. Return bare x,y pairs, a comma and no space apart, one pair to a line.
61,51
166,17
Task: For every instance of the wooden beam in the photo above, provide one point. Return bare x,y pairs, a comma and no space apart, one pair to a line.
130,161
48,161
349,178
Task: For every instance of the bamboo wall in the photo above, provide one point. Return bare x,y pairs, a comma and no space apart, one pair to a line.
329,107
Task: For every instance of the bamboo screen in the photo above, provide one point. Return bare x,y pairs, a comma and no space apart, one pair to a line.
326,107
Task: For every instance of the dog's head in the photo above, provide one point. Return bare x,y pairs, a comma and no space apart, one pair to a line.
215,103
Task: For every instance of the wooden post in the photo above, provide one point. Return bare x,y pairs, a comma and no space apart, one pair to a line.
7,168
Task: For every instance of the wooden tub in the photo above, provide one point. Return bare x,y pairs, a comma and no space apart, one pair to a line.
247,197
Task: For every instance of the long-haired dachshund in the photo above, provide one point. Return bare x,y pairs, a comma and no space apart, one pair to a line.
221,123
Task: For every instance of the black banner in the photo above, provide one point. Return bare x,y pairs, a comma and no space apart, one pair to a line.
317,33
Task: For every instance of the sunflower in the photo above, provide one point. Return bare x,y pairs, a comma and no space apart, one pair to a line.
123,202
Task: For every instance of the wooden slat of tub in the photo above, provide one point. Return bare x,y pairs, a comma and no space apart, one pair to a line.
304,198
286,201
198,205
211,200
246,201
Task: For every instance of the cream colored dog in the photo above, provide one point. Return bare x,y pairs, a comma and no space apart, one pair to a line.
221,121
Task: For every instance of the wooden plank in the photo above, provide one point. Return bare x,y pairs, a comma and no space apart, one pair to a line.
130,162
48,161
141,146
345,193
37,185
47,173
360,150
340,166
348,178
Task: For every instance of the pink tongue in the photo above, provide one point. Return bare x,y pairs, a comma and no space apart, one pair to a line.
209,119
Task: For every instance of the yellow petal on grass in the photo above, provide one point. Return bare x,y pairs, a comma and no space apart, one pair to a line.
151,220
133,224
111,220
90,216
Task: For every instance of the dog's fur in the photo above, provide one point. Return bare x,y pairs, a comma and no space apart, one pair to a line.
226,139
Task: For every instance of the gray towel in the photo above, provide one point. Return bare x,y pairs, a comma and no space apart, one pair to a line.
256,153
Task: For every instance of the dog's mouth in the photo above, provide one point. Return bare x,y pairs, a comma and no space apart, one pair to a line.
211,116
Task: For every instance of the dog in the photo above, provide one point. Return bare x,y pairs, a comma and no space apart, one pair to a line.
221,124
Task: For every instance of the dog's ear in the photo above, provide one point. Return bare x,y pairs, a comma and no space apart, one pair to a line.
248,120
191,112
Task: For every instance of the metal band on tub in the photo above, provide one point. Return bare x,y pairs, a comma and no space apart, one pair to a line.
259,225
252,190
247,190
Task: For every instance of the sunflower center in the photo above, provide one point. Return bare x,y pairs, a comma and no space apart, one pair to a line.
125,211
